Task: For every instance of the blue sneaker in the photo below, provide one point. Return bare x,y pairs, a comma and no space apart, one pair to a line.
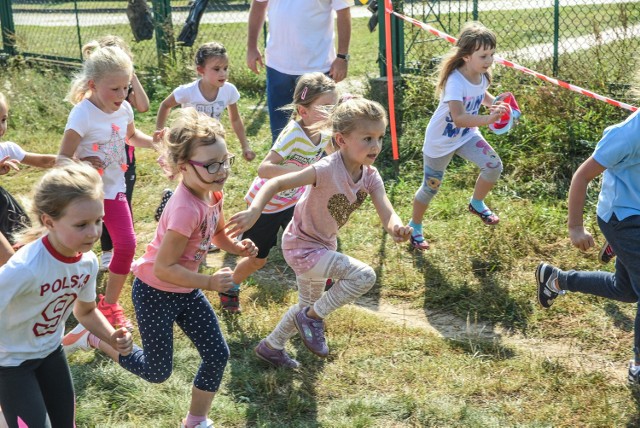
312,333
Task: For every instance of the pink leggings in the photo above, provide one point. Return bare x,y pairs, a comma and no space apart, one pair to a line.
117,218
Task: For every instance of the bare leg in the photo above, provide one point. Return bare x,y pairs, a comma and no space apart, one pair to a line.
246,266
114,287
482,189
200,402
418,211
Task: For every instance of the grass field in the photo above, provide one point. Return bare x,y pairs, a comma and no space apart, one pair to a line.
449,338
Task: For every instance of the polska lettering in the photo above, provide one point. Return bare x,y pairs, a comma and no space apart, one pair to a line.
75,281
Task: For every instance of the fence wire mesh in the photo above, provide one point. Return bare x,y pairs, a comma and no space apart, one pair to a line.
585,42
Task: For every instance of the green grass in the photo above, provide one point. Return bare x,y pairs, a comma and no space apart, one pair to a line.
559,368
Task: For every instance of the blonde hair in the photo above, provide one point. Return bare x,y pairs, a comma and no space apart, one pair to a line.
99,63
117,41
190,130
210,50
309,87
3,100
58,188
473,36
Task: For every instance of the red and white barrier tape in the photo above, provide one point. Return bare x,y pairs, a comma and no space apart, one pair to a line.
518,67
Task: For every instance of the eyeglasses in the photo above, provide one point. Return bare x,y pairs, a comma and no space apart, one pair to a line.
214,167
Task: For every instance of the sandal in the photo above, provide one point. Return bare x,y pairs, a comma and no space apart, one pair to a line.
418,242
230,302
487,216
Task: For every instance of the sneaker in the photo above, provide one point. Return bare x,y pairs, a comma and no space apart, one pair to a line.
275,357
76,339
487,216
105,260
213,248
114,314
230,302
204,424
606,253
327,285
166,194
312,333
634,374
545,274
418,242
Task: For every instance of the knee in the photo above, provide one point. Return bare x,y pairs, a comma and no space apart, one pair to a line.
367,277
492,171
158,377
257,263
430,185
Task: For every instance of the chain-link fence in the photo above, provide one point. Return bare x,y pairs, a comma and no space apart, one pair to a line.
57,29
582,41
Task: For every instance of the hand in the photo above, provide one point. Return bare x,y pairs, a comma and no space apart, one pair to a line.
401,233
6,164
222,280
122,341
247,248
248,154
94,161
338,70
580,238
241,222
158,135
496,111
254,57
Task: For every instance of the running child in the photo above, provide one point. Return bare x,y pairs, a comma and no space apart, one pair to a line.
41,284
296,147
13,217
617,158
139,100
210,94
463,80
99,129
167,288
337,185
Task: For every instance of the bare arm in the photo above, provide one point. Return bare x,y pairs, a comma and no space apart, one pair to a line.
390,220
272,166
462,119
339,67
70,142
138,138
138,97
164,110
88,315
167,267
242,221
39,160
238,128
256,21
6,251
585,173
244,248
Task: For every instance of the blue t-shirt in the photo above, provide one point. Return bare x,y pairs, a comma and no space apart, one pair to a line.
619,152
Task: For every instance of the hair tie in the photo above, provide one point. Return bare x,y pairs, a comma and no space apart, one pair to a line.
304,93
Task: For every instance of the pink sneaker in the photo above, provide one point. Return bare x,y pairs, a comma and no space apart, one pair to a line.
114,314
76,339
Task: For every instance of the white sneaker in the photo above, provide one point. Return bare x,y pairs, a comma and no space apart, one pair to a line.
105,260
204,424
76,339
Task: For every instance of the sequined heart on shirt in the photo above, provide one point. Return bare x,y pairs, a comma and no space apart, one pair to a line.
340,207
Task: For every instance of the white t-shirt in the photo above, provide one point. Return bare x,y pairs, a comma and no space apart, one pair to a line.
301,36
39,287
189,95
442,137
12,150
103,135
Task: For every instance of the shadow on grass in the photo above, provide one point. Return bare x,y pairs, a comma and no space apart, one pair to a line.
620,320
274,397
257,118
634,419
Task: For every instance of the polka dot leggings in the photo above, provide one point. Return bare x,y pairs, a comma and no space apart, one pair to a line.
156,311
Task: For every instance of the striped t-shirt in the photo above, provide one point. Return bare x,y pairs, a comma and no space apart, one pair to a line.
295,148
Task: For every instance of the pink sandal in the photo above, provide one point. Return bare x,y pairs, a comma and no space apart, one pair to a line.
487,216
419,243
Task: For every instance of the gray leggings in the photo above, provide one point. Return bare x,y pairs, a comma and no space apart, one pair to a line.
475,150
352,279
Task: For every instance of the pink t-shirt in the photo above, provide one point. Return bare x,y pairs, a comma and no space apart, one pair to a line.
191,217
323,209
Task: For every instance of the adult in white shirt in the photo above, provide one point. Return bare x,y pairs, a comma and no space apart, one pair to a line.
300,40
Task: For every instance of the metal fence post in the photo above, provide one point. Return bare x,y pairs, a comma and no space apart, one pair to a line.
475,10
7,27
164,28
556,35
